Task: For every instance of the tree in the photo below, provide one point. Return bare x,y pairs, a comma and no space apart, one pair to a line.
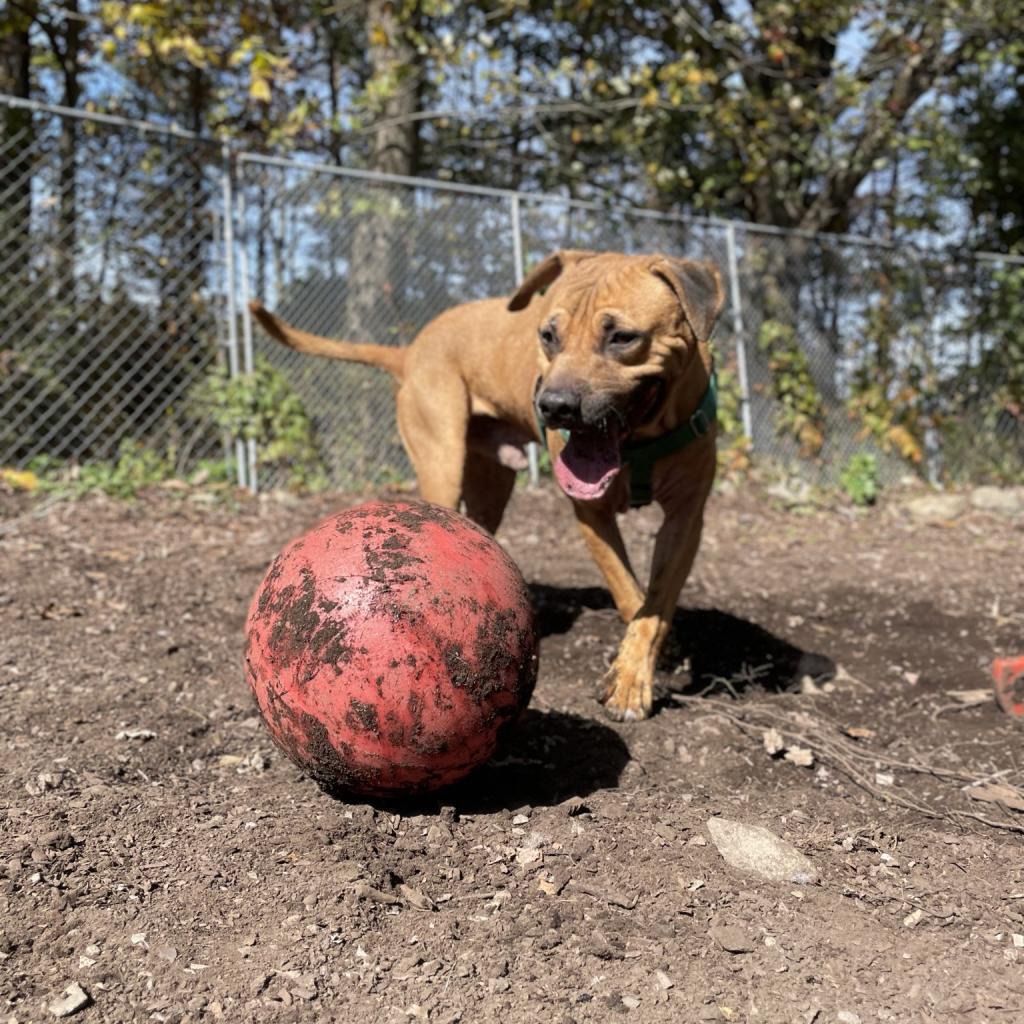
16,145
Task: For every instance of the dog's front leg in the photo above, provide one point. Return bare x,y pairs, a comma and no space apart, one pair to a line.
604,541
629,684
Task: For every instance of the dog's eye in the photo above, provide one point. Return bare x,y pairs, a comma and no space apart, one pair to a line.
623,339
549,340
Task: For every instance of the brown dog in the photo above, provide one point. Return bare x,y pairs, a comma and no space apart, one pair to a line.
613,359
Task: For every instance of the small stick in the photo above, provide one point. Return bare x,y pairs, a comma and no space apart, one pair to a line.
608,897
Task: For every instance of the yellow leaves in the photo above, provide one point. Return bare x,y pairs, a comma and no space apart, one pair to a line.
108,48
734,458
810,436
650,99
892,422
905,442
186,45
146,14
259,89
20,479
262,69
239,54
378,37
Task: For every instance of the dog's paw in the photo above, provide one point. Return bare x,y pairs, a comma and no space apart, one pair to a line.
626,696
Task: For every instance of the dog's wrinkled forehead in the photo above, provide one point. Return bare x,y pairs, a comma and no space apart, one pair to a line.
653,292
613,285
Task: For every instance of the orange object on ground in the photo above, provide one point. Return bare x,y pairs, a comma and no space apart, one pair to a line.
1008,683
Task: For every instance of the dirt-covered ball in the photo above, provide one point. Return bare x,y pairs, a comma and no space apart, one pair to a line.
389,646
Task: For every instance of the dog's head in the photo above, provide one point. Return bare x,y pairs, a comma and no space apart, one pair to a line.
615,332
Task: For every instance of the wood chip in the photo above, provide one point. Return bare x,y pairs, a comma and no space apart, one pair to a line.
859,732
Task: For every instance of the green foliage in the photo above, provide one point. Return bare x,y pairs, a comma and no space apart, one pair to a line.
263,407
859,479
757,110
135,467
801,412
733,444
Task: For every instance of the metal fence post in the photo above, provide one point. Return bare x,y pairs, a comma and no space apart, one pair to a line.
227,184
739,333
532,455
248,362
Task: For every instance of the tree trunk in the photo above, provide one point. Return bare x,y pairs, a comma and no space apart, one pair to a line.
378,262
67,144
377,266
16,138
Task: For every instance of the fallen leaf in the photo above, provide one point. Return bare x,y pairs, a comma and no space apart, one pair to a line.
20,479
416,899
971,697
772,740
800,756
998,793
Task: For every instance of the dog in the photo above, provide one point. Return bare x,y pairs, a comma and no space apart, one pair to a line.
604,358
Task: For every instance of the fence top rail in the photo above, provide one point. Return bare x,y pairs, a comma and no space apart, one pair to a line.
112,119
639,212
514,196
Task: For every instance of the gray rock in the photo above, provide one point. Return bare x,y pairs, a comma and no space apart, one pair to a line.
937,507
72,999
1004,500
732,938
754,849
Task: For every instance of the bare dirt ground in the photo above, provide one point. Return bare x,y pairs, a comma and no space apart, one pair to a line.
157,850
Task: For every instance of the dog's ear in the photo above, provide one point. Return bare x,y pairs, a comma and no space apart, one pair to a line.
543,274
698,287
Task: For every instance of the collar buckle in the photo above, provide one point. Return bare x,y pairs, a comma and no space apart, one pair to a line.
700,423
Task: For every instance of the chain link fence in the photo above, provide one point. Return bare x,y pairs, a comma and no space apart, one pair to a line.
111,290
128,254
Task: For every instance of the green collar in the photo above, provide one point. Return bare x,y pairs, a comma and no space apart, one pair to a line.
641,456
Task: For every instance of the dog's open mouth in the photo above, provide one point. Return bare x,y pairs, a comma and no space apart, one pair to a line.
589,463
591,459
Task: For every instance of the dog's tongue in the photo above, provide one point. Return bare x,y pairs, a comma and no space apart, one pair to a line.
587,465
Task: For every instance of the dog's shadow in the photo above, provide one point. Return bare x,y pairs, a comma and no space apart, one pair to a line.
724,651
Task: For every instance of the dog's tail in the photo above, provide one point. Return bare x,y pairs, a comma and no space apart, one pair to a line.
385,357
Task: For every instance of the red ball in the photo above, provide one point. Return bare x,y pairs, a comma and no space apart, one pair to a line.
388,646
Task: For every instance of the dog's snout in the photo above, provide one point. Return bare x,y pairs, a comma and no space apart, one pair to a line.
559,407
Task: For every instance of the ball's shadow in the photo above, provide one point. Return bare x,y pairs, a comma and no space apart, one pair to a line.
721,648
545,758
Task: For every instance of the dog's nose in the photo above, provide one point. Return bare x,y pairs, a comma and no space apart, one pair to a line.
559,407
